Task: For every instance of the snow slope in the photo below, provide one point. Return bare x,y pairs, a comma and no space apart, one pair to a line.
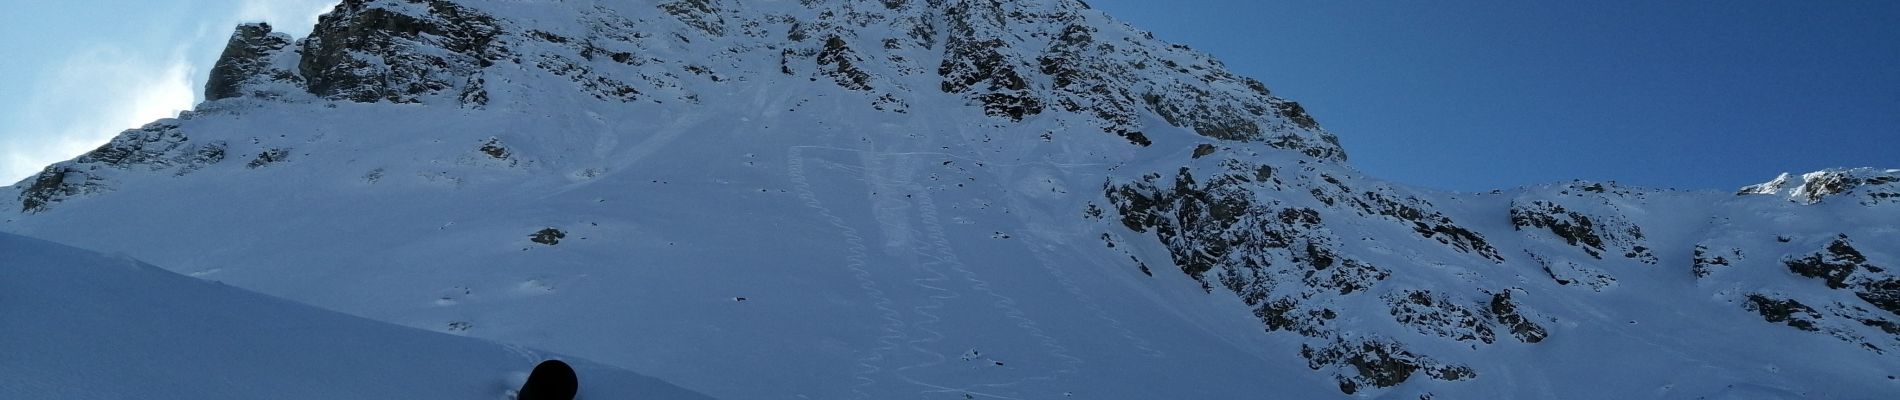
947,199
81,325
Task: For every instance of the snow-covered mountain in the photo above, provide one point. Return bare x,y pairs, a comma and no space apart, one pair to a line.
82,325
948,199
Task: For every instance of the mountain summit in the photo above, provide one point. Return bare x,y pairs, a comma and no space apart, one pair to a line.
947,199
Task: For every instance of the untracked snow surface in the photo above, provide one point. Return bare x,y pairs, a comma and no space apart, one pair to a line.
80,325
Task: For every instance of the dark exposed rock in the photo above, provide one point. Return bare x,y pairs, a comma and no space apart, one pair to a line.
1595,236
1427,223
1082,87
1818,186
700,14
1834,265
1438,315
268,157
52,185
981,68
366,52
493,148
1203,150
1297,114
154,147
1415,213
1706,262
1884,294
246,59
1506,312
1786,311
843,63
548,236
1378,363
1574,228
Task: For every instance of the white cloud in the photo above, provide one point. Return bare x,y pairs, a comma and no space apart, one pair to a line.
96,92
87,99
294,17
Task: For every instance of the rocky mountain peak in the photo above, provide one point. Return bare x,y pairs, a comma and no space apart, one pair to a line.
253,65
1866,186
1014,60
900,181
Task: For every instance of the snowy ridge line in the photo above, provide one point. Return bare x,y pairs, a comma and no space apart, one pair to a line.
855,261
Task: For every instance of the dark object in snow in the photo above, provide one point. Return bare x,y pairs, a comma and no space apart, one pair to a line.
549,236
552,380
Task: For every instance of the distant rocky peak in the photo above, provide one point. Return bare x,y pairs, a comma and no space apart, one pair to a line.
1866,186
254,64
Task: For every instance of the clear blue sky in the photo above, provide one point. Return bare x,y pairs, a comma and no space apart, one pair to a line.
1467,95
1474,95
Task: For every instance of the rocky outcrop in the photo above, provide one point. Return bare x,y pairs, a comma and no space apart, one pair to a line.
1409,211
981,65
1596,234
1707,261
1438,315
396,50
1234,227
1866,186
1843,267
1378,363
159,146
1786,311
1509,314
256,62
55,184
548,236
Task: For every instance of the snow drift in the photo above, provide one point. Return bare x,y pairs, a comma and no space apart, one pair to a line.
80,325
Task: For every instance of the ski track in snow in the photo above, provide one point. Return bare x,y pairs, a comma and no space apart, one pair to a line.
934,283
1139,343
855,261
660,139
928,212
891,216
937,249
936,254
533,357
1035,244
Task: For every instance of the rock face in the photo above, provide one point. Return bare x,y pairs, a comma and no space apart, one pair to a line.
966,156
368,50
158,147
250,62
